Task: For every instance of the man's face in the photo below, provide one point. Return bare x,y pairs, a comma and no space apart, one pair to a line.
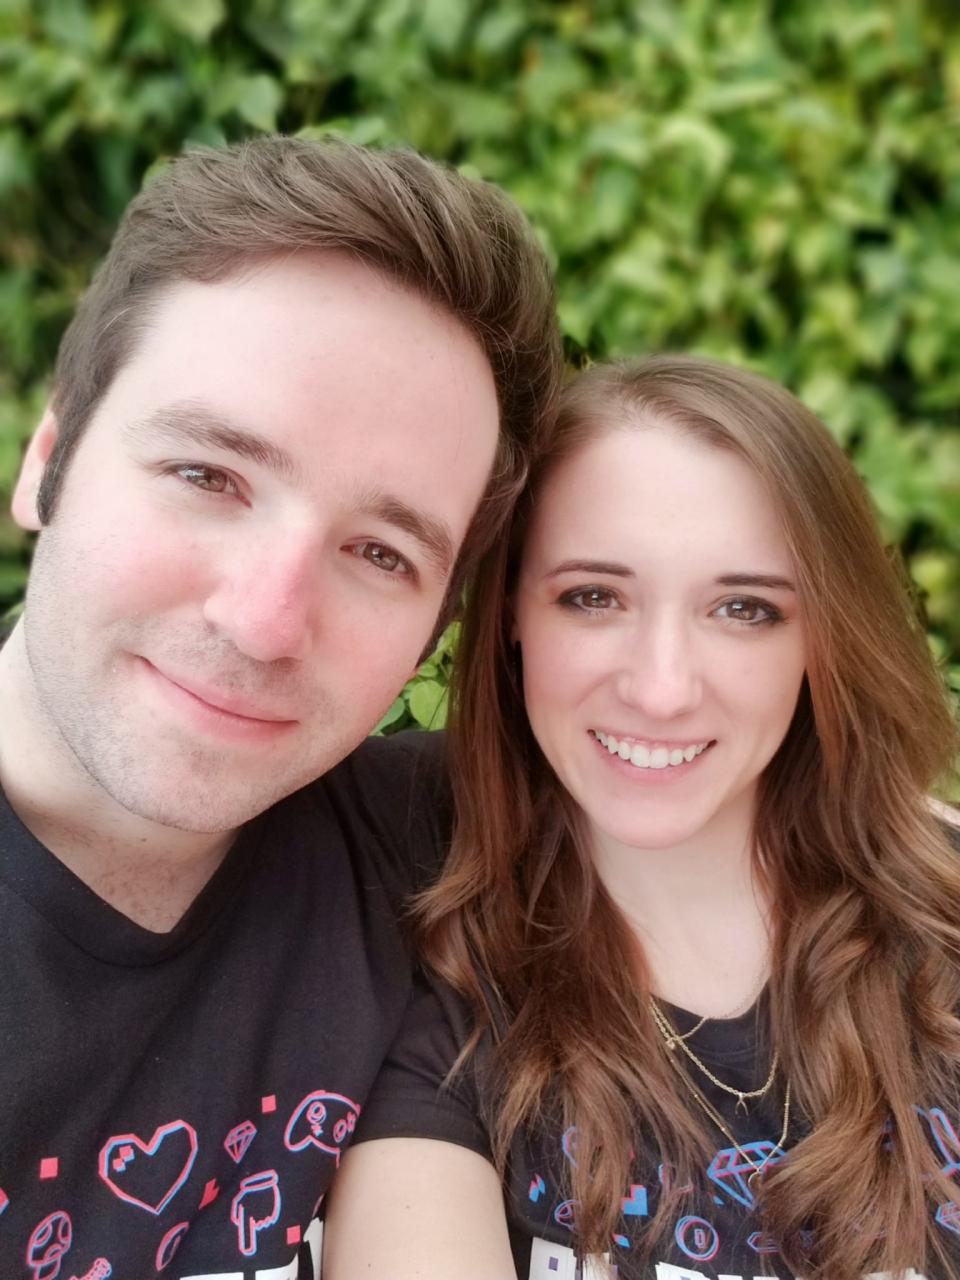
254,536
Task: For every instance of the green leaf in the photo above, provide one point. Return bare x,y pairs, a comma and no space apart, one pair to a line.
391,718
498,30
198,19
443,23
257,99
13,579
427,700
69,22
711,146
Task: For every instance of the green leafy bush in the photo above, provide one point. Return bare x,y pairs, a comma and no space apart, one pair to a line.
773,183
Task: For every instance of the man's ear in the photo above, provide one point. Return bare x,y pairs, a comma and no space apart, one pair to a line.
24,504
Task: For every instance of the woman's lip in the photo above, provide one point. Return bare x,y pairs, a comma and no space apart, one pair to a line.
649,775
227,704
670,744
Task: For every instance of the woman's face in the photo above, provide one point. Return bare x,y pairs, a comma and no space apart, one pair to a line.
663,650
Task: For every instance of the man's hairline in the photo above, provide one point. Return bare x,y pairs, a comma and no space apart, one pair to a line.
149,303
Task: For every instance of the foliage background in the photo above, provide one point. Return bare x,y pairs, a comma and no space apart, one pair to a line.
775,182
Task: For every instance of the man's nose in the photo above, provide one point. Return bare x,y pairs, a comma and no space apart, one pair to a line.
264,604
659,671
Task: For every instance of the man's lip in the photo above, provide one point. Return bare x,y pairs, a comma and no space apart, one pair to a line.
228,703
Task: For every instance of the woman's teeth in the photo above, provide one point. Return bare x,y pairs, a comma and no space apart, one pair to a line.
650,757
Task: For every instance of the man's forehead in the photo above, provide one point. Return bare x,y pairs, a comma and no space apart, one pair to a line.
315,276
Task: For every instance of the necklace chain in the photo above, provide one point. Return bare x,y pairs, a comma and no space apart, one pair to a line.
734,1013
718,1120
673,1040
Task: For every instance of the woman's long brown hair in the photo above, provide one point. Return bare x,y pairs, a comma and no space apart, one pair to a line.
864,884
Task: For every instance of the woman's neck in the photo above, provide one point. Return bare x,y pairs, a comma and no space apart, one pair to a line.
699,915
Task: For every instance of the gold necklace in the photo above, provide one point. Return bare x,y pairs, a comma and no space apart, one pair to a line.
718,1120
677,1038
735,1012
672,1039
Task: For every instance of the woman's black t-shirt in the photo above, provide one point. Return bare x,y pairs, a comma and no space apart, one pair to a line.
715,1234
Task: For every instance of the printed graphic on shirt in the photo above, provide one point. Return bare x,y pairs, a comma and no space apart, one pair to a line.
709,1241
169,1245
322,1120
101,1270
49,1242
255,1207
149,1173
557,1262
237,1142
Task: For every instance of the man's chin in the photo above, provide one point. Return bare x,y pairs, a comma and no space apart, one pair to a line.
187,787
201,811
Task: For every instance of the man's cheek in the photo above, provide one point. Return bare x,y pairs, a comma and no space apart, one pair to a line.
148,571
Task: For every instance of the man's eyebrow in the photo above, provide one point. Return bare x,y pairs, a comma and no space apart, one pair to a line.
772,581
592,566
192,423
432,534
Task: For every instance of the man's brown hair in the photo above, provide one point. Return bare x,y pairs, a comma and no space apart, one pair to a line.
459,243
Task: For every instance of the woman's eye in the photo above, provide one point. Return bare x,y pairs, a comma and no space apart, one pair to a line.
383,557
589,599
209,479
750,612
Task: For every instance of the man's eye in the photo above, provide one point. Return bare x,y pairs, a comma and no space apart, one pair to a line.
210,479
748,611
383,557
589,600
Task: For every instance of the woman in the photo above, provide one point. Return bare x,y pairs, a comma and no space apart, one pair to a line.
698,909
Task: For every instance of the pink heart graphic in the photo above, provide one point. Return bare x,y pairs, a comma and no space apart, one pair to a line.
127,1156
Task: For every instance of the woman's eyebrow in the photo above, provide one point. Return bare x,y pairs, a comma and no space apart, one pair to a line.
592,566
772,581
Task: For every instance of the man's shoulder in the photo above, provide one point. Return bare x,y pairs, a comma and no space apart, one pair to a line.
385,770
390,800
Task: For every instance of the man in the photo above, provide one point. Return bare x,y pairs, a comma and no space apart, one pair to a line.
294,404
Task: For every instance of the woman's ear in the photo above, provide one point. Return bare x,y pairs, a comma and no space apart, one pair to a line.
24,503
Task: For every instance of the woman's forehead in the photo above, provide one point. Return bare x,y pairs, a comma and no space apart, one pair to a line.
655,494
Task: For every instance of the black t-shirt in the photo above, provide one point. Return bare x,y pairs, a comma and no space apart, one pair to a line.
716,1234
177,1103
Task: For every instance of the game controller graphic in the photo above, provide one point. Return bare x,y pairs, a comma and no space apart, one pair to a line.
322,1120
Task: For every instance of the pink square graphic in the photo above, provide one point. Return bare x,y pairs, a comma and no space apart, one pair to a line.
268,1103
49,1167
293,1235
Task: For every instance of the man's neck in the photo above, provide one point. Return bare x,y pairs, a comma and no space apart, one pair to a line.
145,870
